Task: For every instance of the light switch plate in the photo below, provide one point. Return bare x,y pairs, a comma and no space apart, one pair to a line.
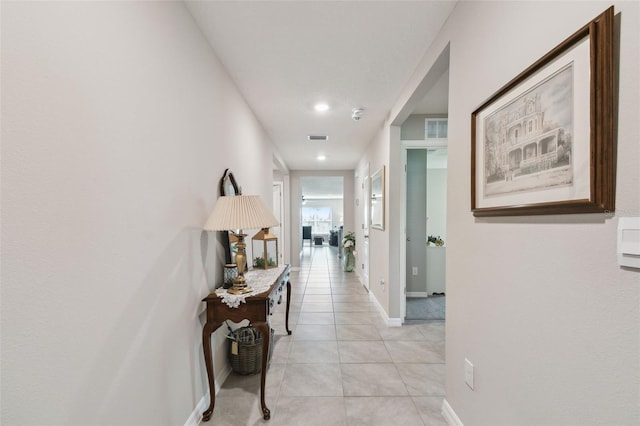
468,373
629,242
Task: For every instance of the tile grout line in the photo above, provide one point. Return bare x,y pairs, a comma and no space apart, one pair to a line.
315,268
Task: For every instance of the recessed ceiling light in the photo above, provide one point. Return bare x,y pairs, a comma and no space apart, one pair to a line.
321,107
321,158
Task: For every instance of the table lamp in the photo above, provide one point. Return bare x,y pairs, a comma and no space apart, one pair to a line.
235,213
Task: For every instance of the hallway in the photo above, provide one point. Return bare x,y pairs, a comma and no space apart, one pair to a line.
342,365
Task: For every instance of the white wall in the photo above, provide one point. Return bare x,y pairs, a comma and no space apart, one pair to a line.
117,123
538,304
376,156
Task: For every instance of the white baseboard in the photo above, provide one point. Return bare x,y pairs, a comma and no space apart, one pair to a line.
391,322
417,294
361,279
379,306
196,415
449,415
394,322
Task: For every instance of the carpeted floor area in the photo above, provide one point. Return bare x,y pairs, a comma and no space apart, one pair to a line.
426,308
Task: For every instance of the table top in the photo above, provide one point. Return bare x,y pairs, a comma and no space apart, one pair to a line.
260,280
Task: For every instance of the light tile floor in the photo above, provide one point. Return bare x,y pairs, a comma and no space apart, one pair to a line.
342,365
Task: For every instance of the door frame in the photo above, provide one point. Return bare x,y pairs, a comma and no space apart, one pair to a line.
366,248
283,223
405,146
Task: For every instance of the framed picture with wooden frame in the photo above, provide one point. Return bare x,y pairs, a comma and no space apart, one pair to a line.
545,142
376,205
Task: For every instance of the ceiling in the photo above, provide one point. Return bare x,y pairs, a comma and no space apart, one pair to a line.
285,56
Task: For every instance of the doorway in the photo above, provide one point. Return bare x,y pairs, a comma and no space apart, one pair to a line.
425,225
365,196
422,124
322,209
278,212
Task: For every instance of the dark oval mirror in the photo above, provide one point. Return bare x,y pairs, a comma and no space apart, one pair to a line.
228,185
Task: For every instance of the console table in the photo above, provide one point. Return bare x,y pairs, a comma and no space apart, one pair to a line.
256,308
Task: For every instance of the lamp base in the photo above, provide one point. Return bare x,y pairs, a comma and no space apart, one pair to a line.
240,290
240,285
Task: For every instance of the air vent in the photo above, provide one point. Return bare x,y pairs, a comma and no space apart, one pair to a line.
318,137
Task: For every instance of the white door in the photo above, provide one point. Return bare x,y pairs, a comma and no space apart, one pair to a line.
366,199
278,212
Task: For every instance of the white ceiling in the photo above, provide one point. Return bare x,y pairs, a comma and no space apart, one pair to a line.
285,56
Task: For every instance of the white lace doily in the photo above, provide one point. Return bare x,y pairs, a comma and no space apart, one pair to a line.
258,279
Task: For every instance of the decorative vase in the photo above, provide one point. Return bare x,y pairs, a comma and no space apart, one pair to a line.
349,261
230,274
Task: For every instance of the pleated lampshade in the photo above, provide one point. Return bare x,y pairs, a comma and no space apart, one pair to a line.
240,212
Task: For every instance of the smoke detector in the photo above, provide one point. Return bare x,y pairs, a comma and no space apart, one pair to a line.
357,113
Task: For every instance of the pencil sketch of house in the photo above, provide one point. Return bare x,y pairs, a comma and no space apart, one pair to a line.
528,141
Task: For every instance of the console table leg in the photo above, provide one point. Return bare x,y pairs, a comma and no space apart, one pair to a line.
208,361
286,323
263,328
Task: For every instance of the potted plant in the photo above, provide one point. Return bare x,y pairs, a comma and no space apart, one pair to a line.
349,245
437,241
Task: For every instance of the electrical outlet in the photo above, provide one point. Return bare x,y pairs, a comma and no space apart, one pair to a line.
414,271
468,373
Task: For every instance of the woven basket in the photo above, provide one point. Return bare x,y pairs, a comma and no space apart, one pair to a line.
248,360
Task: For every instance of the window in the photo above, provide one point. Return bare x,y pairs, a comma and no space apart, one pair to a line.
436,128
319,218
